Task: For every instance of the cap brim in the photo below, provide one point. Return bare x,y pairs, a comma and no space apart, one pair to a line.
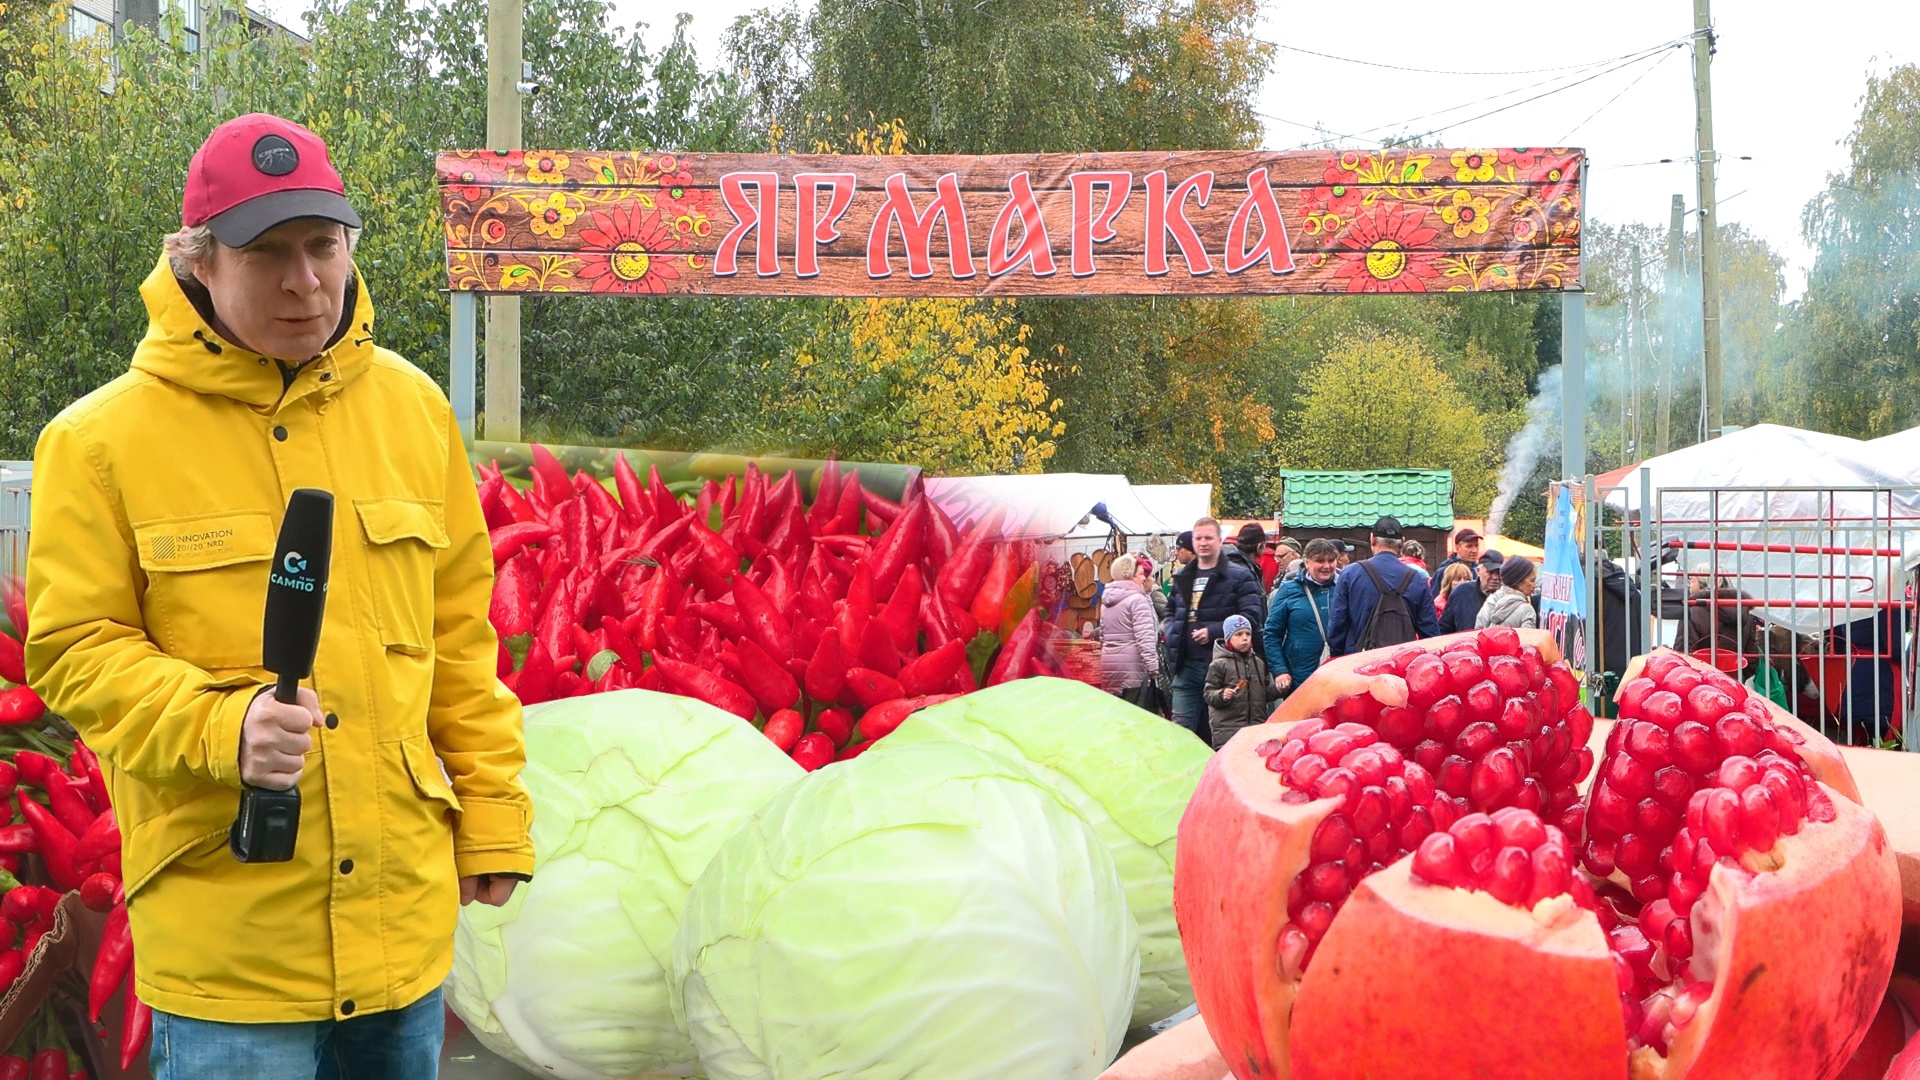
243,224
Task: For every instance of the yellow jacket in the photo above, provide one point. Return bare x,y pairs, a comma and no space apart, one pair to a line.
156,504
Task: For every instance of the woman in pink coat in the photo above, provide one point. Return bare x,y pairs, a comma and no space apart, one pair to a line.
1129,633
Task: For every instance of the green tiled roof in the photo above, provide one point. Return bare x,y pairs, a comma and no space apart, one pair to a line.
1350,500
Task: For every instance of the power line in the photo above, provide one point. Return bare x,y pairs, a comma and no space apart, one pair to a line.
1562,141
1475,74
1534,98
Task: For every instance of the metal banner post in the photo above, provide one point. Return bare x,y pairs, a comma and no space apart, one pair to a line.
460,362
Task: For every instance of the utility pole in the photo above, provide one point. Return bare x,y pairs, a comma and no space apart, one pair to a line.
1630,417
1706,160
1676,323
503,133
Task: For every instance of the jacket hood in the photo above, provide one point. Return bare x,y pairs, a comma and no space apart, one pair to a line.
1220,649
182,347
1117,591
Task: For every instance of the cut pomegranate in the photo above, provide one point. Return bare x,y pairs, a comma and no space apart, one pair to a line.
1717,905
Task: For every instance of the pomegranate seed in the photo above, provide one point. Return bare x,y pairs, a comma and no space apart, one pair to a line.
1697,814
1648,743
1707,704
1330,840
1759,819
1426,680
1633,696
1274,764
1268,748
1399,799
1306,770
1332,745
1382,848
1626,775
1704,858
1483,700
1456,775
1429,754
1681,680
1529,796
1735,734
1662,707
1401,726
1464,668
1610,814
1340,784
1314,919
1585,757
1654,919
1738,773
1721,813
1446,718
1598,858
1519,828
1679,939
1419,783
1367,764
1327,881
1370,813
1495,778
1357,860
1444,812
1552,872
1294,946
1500,641
1637,856
1516,718
1683,891
1582,892
1536,667
1572,818
1819,807
1362,734
1673,787
1476,740
1650,888
1687,1004
1512,876
1622,970
1418,827
1693,748
1475,833
1785,789
1353,709
1580,723
1509,674
1437,860
1652,818
1617,738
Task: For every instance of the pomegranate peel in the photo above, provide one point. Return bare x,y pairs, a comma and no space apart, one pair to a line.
1888,780
1182,1052
1383,1000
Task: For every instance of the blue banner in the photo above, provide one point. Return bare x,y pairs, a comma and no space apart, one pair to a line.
1563,580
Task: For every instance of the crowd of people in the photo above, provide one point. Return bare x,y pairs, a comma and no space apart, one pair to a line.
1227,630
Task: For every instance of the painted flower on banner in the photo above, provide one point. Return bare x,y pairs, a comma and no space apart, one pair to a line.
547,167
1380,252
1522,158
627,250
1468,213
1474,166
550,215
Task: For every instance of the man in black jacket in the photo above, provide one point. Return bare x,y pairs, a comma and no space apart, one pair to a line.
1206,592
1463,603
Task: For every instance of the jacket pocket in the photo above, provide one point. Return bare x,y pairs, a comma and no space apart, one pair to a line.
429,779
207,585
402,538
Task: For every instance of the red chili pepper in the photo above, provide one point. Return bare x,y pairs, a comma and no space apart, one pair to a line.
13,591
604,507
884,718
870,688
772,686
56,843
517,505
846,508
139,1026
989,601
717,557
827,671
64,798
537,677
17,839
704,502
20,705
492,507
779,585
13,1067
859,607
1017,653
9,933
516,597
901,616
554,626
666,506
13,659
9,778
812,751
651,679
753,505
854,751
723,617
653,608
790,536
634,505
90,765
97,891
826,497
899,547
693,682
550,479
34,766
782,495
943,538
933,672
12,963
619,642
49,1063
880,507
877,651
814,602
785,728
835,724
509,540
102,836
569,684
764,623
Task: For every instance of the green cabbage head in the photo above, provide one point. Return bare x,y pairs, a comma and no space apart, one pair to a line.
633,792
931,914
1127,772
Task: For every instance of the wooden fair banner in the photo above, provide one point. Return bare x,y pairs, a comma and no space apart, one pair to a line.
1219,223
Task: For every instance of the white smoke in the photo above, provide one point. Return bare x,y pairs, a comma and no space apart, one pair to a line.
1526,446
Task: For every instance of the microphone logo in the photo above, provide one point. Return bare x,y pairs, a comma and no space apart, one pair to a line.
294,574
294,563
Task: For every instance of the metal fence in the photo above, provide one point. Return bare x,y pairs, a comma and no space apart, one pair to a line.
16,487
1806,594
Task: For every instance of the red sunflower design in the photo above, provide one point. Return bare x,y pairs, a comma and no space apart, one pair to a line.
627,250
1558,175
1524,159
1379,252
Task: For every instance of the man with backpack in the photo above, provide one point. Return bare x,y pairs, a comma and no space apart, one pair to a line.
1381,601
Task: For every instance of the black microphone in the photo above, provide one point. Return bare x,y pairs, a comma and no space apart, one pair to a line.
269,821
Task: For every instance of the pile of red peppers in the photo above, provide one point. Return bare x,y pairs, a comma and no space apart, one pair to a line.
59,811
827,620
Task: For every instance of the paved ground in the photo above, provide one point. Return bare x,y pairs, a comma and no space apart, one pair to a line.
465,1059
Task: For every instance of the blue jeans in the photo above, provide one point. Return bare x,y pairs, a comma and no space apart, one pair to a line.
403,1044
1189,708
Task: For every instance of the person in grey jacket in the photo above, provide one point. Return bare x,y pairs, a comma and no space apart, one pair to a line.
1512,605
1129,634
1238,691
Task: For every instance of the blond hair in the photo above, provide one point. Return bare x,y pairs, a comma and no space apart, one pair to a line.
191,245
1122,568
1454,574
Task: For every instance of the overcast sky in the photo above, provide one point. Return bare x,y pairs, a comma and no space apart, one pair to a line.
1786,85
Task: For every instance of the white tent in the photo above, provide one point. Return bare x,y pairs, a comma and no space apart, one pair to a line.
1062,506
1835,514
1897,453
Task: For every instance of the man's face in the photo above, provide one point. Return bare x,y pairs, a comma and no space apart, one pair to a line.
1321,570
1468,550
1206,543
280,296
1489,577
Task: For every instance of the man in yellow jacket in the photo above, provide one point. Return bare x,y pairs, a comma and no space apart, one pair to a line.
157,499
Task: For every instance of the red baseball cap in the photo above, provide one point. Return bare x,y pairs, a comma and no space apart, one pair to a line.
256,171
